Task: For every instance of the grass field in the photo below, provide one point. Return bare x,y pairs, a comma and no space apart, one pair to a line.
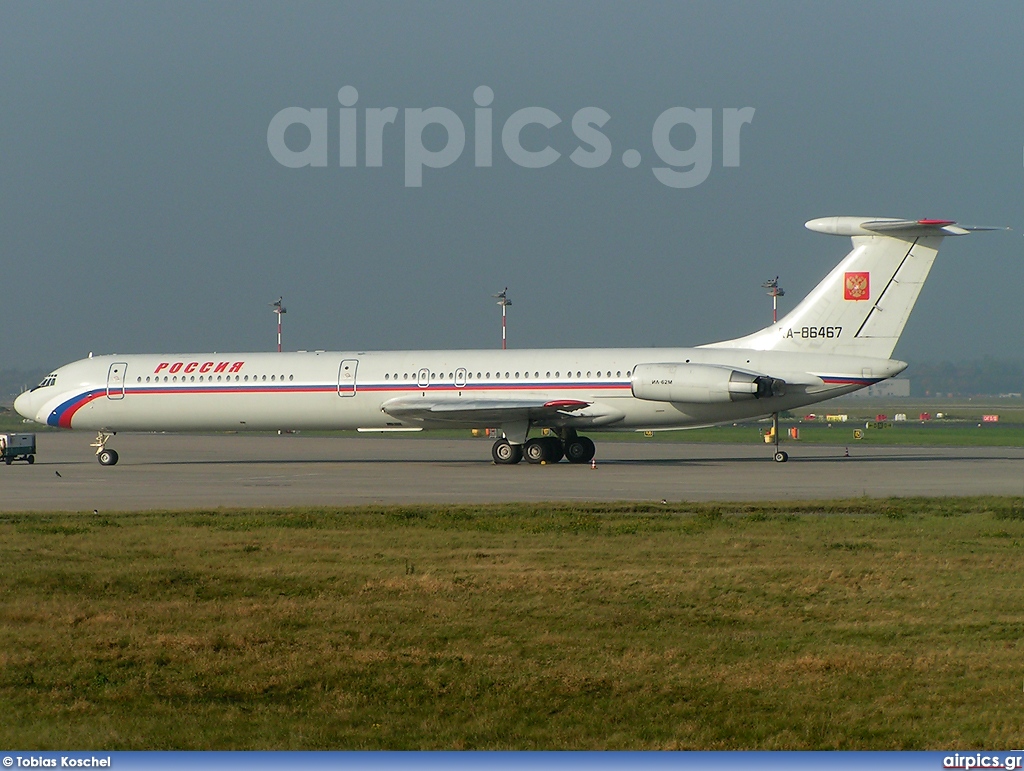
849,624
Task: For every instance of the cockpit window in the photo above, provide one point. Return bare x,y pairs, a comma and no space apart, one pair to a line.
47,381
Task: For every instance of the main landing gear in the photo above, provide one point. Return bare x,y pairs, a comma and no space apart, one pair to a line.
545,449
103,455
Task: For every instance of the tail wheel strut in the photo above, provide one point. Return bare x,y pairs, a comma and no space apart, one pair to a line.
781,456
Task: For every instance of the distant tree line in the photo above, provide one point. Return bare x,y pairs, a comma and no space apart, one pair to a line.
975,377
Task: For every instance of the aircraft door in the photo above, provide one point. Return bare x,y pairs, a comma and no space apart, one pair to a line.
347,377
423,378
115,380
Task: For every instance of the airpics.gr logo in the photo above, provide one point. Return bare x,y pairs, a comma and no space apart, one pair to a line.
857,286
524,136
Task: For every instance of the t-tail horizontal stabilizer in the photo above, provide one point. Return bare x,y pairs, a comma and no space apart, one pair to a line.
862,305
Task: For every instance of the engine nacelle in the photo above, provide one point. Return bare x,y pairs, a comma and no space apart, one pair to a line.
701,384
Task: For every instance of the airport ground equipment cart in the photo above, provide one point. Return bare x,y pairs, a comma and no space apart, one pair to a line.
18,447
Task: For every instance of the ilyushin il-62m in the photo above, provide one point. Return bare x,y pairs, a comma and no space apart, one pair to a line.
838,339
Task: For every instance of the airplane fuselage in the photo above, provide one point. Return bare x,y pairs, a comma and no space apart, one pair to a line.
837,339
351,390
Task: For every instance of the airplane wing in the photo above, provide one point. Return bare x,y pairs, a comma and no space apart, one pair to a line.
480,411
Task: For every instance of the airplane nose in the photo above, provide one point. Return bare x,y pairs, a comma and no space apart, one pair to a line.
23,404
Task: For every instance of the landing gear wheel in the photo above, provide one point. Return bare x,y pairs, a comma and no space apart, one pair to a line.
506,454
103,455
555,451
107,457
781,456
579,450
590,448
535,451
31,459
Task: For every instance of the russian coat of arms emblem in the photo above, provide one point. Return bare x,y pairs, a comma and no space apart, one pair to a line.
856,286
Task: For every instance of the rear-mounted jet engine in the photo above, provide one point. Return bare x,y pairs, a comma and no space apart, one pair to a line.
701,384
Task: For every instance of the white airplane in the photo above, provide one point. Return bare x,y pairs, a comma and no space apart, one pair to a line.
837,340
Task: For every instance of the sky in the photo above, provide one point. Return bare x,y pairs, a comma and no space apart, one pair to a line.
147,203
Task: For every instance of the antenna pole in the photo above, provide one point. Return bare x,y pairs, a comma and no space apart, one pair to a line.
504,302
279,309
775,292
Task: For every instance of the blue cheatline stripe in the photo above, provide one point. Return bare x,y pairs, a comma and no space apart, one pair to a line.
62,415
366,386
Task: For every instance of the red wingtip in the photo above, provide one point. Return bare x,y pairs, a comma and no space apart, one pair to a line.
939,223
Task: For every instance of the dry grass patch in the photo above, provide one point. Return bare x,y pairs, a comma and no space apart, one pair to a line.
846,624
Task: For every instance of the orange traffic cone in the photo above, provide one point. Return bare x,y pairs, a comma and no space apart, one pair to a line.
593,462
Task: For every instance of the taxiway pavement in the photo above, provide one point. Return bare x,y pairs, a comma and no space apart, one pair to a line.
158,471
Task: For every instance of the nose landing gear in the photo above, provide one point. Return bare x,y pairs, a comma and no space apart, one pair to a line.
103,455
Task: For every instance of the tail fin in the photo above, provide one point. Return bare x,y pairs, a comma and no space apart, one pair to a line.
861,307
